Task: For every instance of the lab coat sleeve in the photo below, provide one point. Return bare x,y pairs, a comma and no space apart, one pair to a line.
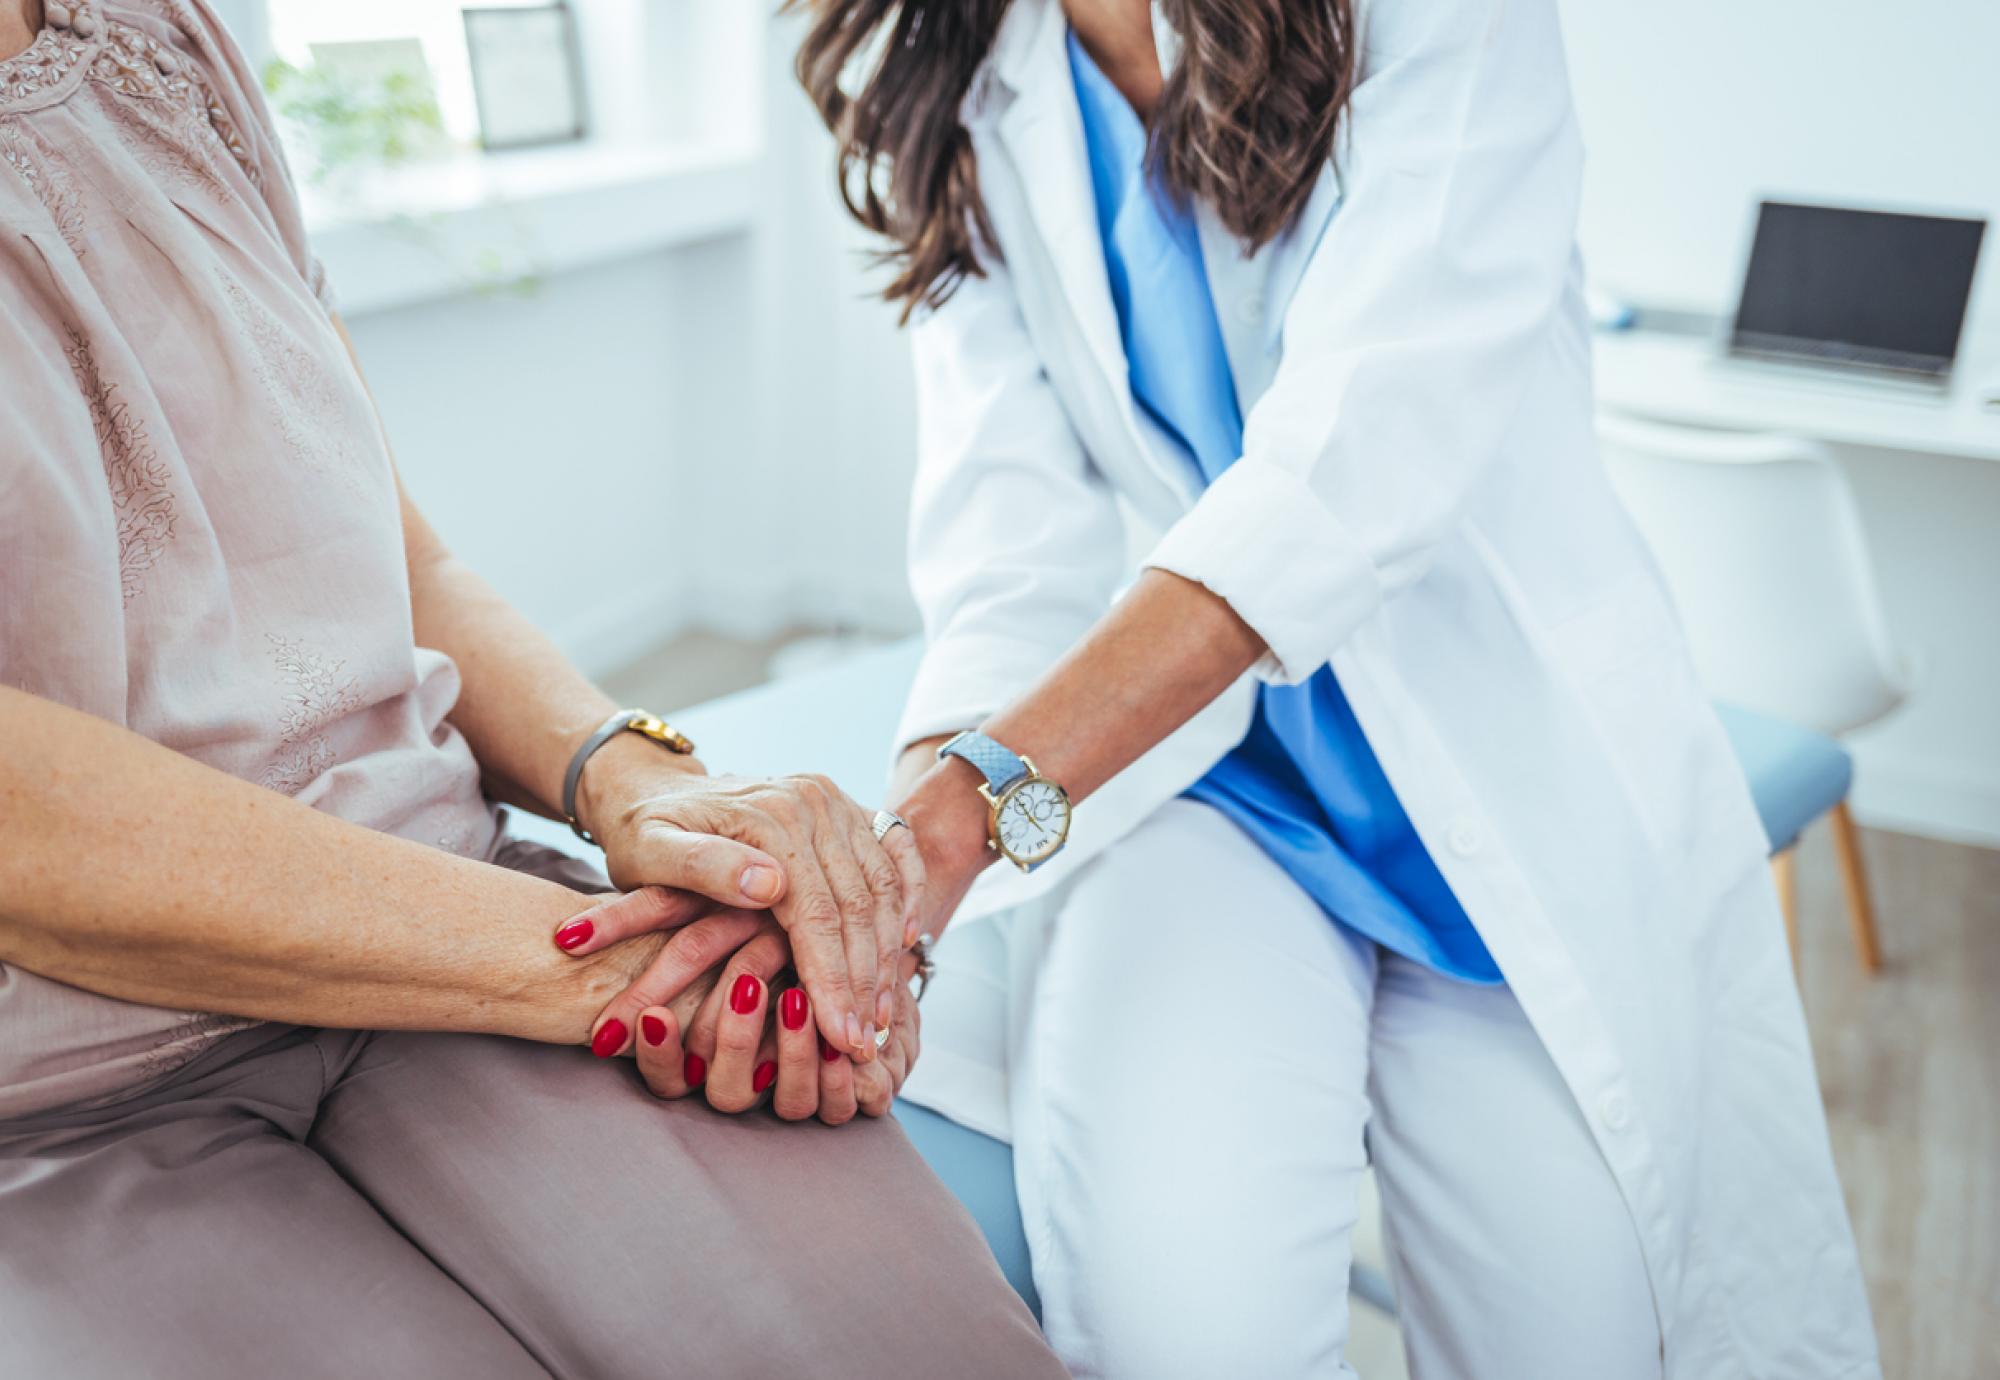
1016,543
1414,333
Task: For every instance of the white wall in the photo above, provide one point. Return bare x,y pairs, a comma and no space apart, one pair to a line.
562,442
1693,112
1933,523
840,400
712,435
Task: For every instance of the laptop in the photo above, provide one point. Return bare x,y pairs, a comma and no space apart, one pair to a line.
1874,291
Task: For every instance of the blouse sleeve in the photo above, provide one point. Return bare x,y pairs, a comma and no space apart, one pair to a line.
244,120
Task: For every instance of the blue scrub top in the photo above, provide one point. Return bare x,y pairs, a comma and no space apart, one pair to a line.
1303,783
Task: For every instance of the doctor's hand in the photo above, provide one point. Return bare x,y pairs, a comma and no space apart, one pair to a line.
796,845
948,822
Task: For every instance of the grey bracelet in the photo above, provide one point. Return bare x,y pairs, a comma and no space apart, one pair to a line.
633,720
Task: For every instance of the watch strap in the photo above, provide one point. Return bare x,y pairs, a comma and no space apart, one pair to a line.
1001,767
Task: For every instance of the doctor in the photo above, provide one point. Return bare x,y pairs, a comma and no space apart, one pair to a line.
1379,818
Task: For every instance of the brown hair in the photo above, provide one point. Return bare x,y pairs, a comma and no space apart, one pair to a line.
1245,122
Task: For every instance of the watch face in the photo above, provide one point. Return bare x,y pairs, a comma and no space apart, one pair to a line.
1033,820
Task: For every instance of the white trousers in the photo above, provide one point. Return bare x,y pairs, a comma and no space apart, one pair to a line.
1209,1064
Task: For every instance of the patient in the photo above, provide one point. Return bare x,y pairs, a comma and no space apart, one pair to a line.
292,1078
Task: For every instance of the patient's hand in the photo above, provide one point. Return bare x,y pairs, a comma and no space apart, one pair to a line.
739,1032
755,1037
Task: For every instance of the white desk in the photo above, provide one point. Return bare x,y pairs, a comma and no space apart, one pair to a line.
1678,378
1931,509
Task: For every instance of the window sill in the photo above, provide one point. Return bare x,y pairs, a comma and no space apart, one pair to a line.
485,222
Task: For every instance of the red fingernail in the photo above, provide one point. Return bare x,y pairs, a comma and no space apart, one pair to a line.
575,933
792,1007
654,1029
743,997
694,1068
827,1051
609,1039
761,1079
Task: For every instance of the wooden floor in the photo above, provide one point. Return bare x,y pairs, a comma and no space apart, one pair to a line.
1909,1064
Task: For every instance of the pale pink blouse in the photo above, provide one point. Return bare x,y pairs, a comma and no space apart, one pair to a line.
199,530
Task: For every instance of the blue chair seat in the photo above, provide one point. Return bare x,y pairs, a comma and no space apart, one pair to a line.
1796,775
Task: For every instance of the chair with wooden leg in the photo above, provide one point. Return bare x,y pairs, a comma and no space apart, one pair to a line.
1797,776
1761,543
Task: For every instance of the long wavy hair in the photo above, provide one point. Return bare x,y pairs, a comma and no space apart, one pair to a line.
1245,122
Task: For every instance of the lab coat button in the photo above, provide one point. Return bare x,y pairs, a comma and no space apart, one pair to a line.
1616,1111
1250,310
1464,838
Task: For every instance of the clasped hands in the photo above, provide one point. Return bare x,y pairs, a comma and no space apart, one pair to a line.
790,938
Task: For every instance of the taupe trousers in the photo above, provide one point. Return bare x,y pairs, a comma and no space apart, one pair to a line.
311,1203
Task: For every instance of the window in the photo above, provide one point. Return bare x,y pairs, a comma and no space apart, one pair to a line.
654,71
406,206
298,26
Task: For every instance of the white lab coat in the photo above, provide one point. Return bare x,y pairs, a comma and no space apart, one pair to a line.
1419,502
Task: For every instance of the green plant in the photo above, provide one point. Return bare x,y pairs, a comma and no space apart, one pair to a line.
343,126
351,123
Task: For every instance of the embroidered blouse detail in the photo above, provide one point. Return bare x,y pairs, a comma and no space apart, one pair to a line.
140,498
53,65
303,398
171,108
318,691
48,180
78,41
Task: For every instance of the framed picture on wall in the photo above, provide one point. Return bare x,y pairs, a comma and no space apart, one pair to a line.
526,77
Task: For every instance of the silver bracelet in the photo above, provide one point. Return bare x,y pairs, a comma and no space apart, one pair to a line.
633,720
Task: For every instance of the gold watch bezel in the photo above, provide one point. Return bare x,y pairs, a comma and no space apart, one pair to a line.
998,803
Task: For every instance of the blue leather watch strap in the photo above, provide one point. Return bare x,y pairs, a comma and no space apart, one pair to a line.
1000,767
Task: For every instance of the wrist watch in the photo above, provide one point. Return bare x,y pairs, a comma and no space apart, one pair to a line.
1030,813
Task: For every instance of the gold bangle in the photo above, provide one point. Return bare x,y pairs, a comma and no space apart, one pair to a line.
637,721
661,732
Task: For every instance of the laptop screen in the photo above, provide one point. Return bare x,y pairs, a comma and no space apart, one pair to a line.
1857,287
